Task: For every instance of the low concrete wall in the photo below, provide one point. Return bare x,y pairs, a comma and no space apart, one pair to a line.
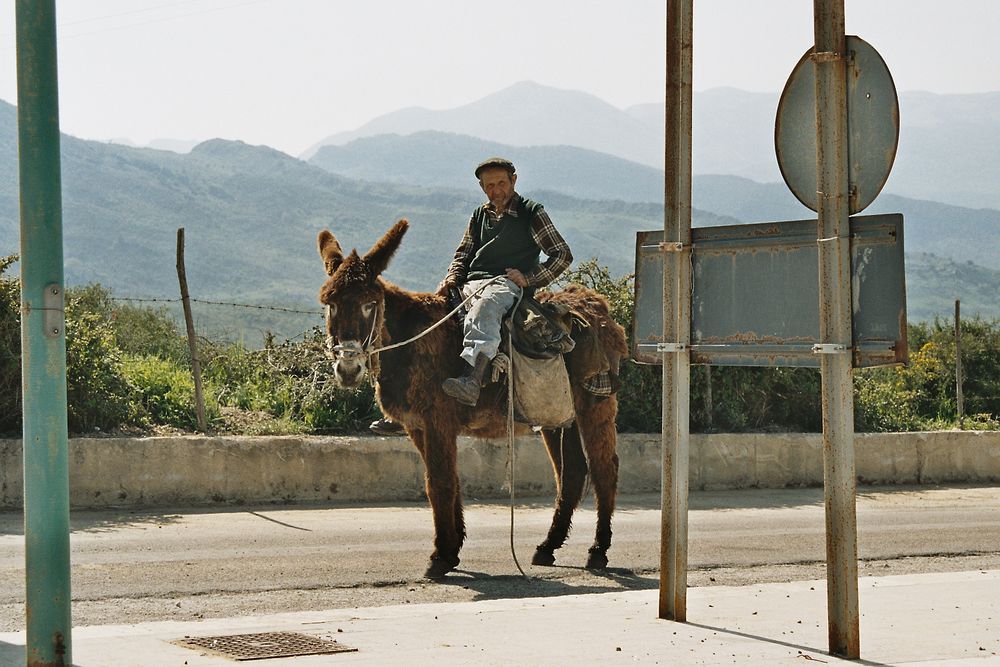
195,470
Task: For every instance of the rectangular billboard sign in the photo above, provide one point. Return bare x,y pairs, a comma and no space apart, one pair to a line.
755,294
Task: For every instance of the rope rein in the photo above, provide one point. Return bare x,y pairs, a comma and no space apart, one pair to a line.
510,438
439,322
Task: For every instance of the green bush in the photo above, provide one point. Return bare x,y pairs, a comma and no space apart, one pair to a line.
753,399
244,380
165,392
980,364
921,396
143,330
98,395
10,349
883,401
339,410
291,381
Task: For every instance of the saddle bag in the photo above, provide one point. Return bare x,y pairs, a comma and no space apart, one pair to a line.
547,359
542,395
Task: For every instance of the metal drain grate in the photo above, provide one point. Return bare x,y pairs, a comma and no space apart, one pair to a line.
264,645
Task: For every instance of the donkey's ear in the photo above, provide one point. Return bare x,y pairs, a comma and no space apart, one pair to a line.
330,251
380,254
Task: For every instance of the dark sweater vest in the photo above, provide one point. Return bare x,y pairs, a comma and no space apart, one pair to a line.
504,244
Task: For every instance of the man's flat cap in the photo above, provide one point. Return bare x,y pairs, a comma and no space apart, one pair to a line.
495,163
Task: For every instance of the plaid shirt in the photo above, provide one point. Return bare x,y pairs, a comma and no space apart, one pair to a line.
544,234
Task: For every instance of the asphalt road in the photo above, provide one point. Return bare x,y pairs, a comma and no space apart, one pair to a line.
134,566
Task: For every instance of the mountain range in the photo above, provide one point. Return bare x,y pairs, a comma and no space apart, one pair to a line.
948,144
252,213
446,160
436,159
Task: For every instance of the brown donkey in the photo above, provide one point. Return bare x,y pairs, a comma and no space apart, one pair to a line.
365,312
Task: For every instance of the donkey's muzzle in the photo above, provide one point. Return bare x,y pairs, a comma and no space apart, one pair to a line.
351,359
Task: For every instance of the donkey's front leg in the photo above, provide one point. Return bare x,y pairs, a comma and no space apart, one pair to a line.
439,452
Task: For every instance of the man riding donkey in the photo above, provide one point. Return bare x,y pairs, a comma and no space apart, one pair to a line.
501,247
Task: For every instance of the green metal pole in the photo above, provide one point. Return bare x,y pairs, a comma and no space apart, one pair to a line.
43,340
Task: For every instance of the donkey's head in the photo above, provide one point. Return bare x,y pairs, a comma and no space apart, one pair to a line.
355,302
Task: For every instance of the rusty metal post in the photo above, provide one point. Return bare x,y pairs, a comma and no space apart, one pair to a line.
43,341
676,314
830,60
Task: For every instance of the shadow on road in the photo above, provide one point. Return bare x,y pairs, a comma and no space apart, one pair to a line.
804,651
280,523
12,654
88,521
502,587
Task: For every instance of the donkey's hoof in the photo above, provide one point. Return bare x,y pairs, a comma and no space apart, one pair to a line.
440,566
543,557
597,560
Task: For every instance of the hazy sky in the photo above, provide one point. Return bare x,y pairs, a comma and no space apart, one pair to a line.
287,73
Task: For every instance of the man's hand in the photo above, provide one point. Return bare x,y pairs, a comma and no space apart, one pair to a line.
444,286
517,278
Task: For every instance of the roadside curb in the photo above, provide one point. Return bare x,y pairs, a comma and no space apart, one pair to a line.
206,470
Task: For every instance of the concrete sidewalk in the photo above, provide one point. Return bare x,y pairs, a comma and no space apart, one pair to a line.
926,619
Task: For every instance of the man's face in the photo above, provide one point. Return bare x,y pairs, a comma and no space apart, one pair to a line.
498,184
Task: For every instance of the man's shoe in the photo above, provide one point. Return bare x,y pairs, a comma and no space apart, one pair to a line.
386,426
465,389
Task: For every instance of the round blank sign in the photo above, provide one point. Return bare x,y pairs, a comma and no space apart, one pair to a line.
872,126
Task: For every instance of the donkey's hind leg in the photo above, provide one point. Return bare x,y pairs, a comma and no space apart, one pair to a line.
597,430
570,468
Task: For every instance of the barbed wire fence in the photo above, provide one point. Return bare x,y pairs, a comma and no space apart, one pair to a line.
318,313
216,303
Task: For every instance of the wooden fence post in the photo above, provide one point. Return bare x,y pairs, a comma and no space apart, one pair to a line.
959,399
199,396
709,406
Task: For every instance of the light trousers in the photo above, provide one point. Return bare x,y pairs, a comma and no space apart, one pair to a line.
486,311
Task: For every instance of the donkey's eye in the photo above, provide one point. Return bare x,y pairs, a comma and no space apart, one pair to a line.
368,309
